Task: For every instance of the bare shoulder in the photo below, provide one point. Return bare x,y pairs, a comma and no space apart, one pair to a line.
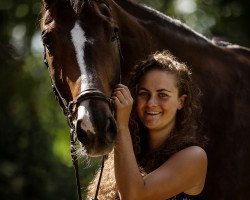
193,157
185,171
193,162
191,153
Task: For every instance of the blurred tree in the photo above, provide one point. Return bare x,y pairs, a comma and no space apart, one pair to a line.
223,19
28,167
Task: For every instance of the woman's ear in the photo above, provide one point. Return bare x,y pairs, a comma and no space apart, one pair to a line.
182,101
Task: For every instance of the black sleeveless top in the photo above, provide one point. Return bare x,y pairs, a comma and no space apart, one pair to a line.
184,196
181,196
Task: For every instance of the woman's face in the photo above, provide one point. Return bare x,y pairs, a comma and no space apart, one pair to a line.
158,100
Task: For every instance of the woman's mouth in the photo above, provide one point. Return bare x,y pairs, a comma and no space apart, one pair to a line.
152,113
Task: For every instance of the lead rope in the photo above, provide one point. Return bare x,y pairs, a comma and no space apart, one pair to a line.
100,178
73,139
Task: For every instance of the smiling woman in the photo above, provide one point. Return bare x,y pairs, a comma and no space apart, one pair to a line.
161,155
176,97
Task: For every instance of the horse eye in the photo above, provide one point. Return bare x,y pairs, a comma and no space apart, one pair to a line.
105,9
47,40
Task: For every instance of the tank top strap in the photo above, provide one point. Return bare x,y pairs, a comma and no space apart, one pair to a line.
184,196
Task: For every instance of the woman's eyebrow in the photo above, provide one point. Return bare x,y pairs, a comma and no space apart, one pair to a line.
142,88
159,90
163,90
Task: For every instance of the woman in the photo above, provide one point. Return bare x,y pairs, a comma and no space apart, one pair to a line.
158,153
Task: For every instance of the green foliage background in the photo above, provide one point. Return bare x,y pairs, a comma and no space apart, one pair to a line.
34,143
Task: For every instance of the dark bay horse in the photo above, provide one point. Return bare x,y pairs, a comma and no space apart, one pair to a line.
90,44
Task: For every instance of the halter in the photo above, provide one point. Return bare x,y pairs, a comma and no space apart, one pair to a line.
93,94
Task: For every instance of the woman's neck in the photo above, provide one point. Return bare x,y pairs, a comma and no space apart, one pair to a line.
157,137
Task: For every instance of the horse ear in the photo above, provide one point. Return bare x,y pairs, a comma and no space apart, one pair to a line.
47,2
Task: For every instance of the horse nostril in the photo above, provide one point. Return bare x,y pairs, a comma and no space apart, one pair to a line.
81,134
111,129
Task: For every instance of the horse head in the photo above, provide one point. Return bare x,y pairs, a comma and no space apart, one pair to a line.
82,53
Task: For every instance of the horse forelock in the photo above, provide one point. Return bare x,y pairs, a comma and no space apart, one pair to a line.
77,5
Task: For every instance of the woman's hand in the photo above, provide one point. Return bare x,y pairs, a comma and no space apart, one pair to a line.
123,101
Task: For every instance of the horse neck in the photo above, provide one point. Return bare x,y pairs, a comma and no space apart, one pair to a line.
134,38
144,30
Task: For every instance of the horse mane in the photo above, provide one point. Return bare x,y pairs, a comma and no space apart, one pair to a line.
150,15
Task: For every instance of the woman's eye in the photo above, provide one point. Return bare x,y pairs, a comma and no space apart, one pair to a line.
163,95
143,94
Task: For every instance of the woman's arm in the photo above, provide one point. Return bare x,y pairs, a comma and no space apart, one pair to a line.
127,173
183,172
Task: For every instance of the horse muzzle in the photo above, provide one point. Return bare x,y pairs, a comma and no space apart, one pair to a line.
96,127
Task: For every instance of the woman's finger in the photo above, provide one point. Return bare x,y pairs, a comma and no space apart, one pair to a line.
121,97
124,90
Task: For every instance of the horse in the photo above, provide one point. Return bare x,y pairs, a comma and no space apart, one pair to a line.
91,45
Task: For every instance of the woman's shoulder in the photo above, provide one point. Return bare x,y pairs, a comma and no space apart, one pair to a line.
193,159
192,153
191,164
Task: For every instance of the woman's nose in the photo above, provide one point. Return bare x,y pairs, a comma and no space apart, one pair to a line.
152,101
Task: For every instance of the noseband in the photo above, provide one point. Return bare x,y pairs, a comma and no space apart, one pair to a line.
68,110
93,94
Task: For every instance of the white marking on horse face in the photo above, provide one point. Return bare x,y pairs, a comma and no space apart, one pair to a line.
79,39
83,114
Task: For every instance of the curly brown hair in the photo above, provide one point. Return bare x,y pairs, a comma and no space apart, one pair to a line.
186,131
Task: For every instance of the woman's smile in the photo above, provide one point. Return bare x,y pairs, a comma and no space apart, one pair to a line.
152,113
151,118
